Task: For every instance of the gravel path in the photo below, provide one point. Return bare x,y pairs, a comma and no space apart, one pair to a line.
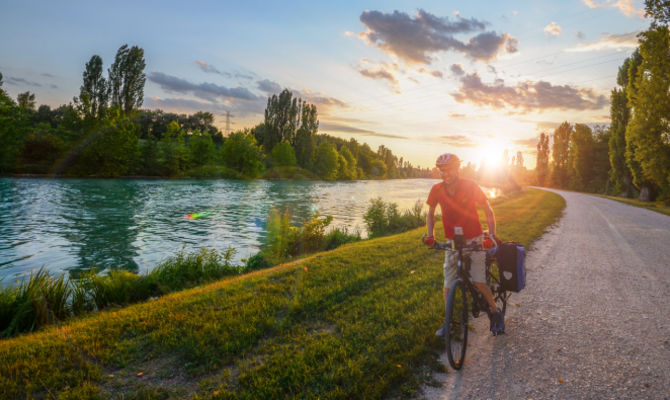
593,321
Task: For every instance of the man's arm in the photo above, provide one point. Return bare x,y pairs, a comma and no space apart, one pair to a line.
490,218
430,221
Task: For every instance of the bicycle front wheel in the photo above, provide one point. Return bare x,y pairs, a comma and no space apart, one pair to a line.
456,324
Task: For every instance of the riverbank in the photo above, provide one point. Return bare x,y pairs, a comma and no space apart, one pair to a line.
355,322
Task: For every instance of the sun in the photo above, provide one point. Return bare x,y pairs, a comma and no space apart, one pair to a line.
491,154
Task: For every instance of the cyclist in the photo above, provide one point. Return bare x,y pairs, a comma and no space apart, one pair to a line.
458,199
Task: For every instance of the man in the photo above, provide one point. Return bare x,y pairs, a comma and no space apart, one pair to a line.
458,199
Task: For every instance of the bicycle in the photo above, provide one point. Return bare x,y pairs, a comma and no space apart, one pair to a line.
464,296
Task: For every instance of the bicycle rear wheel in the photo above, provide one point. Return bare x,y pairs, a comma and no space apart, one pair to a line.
456,324
499,294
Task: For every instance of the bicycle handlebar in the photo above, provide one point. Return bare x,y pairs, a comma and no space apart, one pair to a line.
448,245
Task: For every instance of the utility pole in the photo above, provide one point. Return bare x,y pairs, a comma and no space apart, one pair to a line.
227,123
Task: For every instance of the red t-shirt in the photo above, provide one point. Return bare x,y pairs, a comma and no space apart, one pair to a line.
459,209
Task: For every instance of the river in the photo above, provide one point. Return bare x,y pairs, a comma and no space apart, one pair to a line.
68,225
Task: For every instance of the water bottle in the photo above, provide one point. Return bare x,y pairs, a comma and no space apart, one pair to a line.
459,237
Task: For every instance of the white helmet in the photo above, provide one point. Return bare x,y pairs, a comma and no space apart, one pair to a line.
447,159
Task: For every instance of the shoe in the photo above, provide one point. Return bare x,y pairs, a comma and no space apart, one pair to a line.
440,332
497,323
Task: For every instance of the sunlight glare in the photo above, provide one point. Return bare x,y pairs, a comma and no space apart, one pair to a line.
491,154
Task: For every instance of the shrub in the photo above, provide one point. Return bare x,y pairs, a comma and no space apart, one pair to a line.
286,241
383,218
42,299
256,262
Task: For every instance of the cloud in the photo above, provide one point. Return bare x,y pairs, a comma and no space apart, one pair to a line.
240,108
580,35
552,29
435,73
205,90
456,115
378,74
323,103
457,69
458,141
415,39
48,75
269,86
180,104
545,126
209,68
527,95
626,7
530,143
609,42
357,131
20,81
53,86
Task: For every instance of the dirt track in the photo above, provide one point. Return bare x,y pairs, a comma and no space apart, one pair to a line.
593,321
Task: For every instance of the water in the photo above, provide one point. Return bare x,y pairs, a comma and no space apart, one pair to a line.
72,224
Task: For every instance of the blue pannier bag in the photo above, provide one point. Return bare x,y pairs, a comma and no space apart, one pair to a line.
511,257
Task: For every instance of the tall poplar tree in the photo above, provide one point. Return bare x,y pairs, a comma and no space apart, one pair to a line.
542,163
560,152
648,132
619,117
94,92
127,78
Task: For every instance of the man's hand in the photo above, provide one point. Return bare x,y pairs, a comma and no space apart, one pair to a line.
429,240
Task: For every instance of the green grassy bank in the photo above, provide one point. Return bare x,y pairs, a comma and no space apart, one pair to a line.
355,322
654,206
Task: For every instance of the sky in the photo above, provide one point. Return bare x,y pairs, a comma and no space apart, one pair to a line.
421,78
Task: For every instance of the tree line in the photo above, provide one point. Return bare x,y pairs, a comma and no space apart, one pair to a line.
632,156
104,132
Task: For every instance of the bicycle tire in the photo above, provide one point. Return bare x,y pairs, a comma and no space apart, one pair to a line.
456,324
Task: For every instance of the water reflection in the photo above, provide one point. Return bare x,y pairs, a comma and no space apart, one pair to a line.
72,224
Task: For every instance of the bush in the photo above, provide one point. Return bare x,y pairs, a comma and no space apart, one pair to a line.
37,301
383,218
256,262
42,299
286,241
337,237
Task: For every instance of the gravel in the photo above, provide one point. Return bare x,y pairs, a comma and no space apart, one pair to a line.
593,321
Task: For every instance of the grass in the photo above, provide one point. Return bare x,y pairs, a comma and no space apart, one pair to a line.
42,300
355,322
657,206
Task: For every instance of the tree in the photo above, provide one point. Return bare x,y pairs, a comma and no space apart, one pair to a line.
13,124
26,101
326,161
111,148
281,119
283,155
580,158
127,78
305,143
242,153
601,165
560,153
519,160
201,148
94,92
648,132
620,115
659,10
348,169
